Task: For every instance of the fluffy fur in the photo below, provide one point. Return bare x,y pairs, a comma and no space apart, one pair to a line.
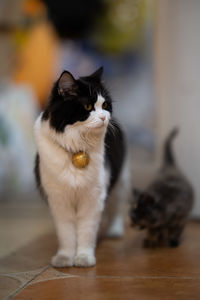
77,119
163,207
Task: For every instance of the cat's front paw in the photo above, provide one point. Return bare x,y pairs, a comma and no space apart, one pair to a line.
84,260
173,243
61,260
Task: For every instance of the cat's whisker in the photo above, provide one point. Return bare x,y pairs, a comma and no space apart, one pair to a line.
112,129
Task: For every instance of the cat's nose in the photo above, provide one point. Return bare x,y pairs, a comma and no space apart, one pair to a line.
102,118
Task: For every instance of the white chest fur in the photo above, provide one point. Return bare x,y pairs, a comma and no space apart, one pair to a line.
56,162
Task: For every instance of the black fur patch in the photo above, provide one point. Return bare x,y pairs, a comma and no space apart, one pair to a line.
37,171
115,151
38,178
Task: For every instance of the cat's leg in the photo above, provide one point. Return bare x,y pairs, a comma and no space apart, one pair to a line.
64,220
114,227
116,204
174,234
156,237
88,220
152,238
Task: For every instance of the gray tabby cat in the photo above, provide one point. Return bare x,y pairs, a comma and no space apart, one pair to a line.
163,207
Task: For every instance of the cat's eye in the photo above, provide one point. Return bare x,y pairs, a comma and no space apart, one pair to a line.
88,107
105,105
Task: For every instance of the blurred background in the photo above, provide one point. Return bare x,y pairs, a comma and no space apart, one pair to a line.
150,53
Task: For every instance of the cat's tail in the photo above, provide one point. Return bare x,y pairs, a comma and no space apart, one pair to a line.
168,156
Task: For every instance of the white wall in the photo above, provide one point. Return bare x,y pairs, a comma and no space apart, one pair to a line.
177,61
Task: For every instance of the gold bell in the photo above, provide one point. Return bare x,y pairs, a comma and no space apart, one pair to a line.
80,159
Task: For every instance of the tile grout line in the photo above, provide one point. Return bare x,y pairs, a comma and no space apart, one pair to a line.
148,277
64,276
23,285
112,277
16,275
68,275
133,276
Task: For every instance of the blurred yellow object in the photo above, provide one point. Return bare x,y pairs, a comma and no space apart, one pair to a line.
36,60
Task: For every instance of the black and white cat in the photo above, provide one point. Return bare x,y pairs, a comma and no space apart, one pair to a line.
78,118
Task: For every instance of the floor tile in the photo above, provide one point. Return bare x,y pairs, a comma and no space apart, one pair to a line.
85,288
20,223
34,255
20,233
7,286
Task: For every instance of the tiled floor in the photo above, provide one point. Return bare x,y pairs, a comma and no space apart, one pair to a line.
124,269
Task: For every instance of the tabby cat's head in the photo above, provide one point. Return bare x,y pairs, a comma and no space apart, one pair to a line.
146,210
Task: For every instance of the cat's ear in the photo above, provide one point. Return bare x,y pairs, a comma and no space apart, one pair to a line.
94,77
67,84
97,74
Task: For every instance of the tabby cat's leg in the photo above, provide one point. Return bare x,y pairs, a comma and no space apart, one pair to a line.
153,237
174,234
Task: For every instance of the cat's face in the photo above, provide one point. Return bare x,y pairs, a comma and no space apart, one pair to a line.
82,104
145,210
